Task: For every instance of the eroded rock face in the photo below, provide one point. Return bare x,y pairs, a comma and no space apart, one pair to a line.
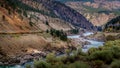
99,19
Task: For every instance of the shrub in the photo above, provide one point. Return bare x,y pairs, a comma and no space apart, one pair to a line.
79,51
91,50
78,65
59,66
28,66
105,55
115,64
98,63
67,51
116,51
51,58
110,38
41,64
112,43
71,58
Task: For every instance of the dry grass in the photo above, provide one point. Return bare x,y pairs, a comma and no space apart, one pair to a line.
111,33
21,44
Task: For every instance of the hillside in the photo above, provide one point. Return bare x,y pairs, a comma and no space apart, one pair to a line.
99,12
67,14
25,30
48,11
113,25
23,17
30,29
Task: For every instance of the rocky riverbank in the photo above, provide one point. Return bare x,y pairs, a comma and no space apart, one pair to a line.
35,55
23,54
98,36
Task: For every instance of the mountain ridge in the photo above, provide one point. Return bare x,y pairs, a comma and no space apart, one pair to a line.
67,14
49,9
98,12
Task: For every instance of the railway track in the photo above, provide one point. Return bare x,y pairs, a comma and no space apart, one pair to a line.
25,32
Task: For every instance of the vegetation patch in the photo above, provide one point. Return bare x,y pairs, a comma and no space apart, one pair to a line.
102,57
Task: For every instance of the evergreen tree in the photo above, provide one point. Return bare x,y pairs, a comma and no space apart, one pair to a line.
47,23
60,34
3,17
47,31
57,33
51,32
31,24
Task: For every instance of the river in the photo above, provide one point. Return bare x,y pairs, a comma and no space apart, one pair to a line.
94,44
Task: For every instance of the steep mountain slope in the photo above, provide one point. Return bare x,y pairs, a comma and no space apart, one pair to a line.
23,32
47,10
12,21
21,17
113,25
65,13
98,12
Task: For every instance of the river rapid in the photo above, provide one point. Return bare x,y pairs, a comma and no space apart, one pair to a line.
94,43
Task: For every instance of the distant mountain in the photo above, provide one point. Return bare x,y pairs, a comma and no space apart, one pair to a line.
98,12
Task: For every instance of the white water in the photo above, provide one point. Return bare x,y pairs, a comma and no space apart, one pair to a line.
88,33
74,36
94,43
78,36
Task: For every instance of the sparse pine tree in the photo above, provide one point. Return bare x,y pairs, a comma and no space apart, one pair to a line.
51,32
47,23
3,17
47,31
31,24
